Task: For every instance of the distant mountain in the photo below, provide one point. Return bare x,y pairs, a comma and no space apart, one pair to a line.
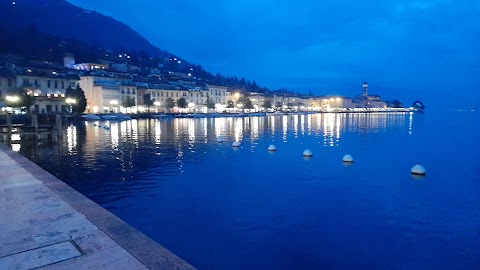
62,19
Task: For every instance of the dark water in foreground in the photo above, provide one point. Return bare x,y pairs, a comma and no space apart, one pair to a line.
220,208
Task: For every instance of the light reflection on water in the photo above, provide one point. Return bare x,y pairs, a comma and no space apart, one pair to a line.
224,208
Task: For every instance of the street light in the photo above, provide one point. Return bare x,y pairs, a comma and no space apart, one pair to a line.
70,102
12,99
157,104
240,106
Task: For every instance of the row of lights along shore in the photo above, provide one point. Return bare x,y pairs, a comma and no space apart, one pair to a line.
348,159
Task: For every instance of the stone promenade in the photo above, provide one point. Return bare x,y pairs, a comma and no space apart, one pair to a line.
45,224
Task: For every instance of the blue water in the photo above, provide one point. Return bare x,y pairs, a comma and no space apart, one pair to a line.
224,208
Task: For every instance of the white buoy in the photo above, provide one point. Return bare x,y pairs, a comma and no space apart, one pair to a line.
348,158
236,144
418,170
307,153
219,139
272,148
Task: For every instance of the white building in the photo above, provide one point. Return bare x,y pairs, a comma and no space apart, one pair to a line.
196,98
217,94
336,103
46,85
258,100
108,94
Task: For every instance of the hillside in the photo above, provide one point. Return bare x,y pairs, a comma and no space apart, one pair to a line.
50,28
62,19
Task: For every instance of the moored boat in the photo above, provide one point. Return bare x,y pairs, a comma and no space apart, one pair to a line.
116,116
91,117
163,116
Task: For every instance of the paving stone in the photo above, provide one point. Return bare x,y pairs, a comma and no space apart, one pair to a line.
98,260
16,242
40,257
121,264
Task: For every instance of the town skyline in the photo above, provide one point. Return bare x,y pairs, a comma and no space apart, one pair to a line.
43,86
402,48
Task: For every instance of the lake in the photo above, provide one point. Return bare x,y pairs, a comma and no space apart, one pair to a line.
223,208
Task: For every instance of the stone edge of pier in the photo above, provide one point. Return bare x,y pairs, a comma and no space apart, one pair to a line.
147,251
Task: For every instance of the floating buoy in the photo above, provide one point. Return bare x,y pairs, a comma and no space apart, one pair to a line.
219,139
236,144
348,159
418,170
272,148
307,153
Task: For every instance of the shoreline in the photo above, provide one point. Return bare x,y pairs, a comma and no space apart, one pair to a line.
252,114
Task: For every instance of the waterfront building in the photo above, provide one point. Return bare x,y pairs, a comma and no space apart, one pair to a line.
368,101
259,99
196,97
293,102
335,103
307,103
47,86
377,104
279,100
109,92
217,93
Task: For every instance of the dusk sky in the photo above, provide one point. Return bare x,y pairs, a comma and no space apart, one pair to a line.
405,49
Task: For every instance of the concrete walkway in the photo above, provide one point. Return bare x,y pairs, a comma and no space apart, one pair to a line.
46,224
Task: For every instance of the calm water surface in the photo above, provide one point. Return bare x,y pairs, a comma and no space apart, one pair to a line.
224,208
